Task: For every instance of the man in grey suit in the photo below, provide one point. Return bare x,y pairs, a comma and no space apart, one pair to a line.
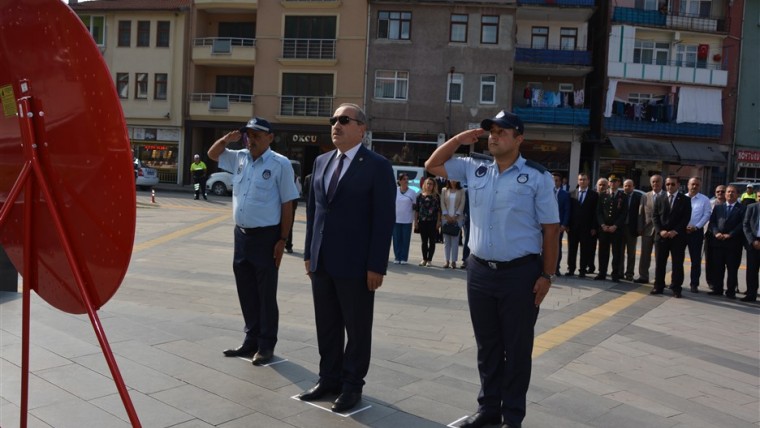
751,226
349,221
646,228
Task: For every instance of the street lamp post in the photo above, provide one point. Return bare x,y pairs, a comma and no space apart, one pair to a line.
448,90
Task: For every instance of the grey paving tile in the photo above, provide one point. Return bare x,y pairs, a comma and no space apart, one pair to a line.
256,420
77,414
579,405
208,407
625,416
137,376
151,412
78,380
432,410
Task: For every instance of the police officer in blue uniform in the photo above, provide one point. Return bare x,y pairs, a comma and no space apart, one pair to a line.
263,191
514,242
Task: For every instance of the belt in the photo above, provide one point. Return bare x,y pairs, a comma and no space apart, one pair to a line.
252,230
495,265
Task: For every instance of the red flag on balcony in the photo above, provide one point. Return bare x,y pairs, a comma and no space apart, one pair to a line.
702,51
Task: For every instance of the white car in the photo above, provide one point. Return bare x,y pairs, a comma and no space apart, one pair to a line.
145,177
219,183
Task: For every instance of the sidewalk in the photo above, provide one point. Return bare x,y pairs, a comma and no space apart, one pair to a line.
609,355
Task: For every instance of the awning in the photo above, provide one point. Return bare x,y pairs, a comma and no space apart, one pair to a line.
692,153
642,149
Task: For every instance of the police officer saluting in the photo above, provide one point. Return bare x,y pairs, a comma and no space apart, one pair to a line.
262,194
514,242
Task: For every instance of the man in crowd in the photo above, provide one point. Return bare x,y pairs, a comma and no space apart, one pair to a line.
583,226
672,212
720,198
726,243
646,227
751,227
700,215
262,209
630,229
748,197
610,214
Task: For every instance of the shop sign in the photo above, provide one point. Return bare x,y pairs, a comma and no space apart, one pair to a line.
304,138
748,156
547,147
155,147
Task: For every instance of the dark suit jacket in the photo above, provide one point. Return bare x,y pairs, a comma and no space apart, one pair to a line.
632,212
351,234
675,219
563,201
732,224
610,210
750,223
583,217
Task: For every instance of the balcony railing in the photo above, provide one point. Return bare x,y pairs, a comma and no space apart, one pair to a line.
669,72
295,105
669,19
624,124
308,48
553,115
582,3
219,101
223,44
552,56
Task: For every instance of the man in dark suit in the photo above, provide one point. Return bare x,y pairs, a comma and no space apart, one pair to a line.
751,226
630,228
646,227
672,212
349,221
610,214
726,242
583,226
563,201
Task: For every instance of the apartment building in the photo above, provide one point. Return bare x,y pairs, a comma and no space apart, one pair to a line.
291,61
143,43
745,164
671,88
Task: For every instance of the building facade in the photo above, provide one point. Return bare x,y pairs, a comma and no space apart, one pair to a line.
745,164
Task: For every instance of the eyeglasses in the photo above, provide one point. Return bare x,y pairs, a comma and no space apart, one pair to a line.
343,120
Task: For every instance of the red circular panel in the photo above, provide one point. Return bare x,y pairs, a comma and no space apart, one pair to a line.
83,150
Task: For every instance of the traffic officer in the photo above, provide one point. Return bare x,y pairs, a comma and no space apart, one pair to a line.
198,170
610,213
262,194
514,241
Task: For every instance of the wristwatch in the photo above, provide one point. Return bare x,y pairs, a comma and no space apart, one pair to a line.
547,276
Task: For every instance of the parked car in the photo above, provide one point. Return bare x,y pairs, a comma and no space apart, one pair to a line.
145,177
220,182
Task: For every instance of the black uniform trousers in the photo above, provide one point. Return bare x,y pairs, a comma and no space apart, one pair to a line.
614,240
753,268
503,314
256,279
675,248
343,308
586,242
694,242
726,258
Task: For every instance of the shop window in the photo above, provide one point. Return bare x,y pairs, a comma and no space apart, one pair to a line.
394,25
143,33
391,85
122,85
488,89
141,86
161,86
454,90
489,29
125,33
162,34
458,30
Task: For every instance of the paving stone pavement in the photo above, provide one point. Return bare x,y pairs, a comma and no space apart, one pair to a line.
652,362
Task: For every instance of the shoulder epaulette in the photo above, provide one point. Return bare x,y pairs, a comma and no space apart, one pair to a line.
535,165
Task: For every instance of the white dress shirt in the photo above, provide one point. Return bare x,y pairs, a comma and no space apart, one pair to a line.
700,211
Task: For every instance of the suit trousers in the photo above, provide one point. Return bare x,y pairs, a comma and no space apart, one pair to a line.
586,242
256,280
503,314
607,240
628,251
753,270
343,309
647,243
694,242
675,248
726,258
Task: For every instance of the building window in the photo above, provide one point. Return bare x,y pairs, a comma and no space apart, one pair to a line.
635,98
539,38
125,33
489,30
487,89
454,90
161,85
143,33
686,56
122,85
568,39
650,4
645,52
391,85
458,29
141,87
310,37
162,34
234,85
96,26
394,25
307,94
700,8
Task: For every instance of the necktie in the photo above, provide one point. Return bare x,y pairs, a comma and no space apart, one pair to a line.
335,178
671,200
728,210
583,196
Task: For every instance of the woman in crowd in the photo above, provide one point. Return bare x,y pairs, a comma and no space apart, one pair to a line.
427,218
452,208
402,230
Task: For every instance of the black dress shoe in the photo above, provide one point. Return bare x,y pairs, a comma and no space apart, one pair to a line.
641,281
715,293
695,289
346,401
655,291
262,357
600,277
629,277
317,391
289,250
581,274
615,279
731,296
677,294
748,299
244,350
480,419
569,273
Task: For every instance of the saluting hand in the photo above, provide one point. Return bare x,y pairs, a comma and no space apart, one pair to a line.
470,136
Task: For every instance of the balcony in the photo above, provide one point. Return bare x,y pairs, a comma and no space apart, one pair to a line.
552,61
670,71
306,106
224,51
223,6
560,3
221,106
669,19
314,4
553,115
310,50
624,124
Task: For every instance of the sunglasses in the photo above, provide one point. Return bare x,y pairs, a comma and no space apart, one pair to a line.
343,120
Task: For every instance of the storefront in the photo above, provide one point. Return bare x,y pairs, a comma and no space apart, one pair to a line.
157,148
747,165
302,143
405,148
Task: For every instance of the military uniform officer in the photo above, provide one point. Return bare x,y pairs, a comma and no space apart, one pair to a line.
514,241
610,213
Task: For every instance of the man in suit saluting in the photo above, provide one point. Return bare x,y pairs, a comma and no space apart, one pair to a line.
672,212
349,221
726,240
